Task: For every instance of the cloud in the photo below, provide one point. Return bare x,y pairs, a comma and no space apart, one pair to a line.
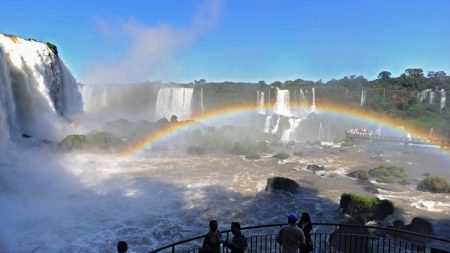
149,46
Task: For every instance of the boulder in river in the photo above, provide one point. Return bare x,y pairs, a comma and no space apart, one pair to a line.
434,184
282,184
369,208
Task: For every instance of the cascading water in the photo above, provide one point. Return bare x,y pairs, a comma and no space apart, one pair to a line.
261,109
276,125
174,101
293,132
282,104
87,93
431,97
36,87
313,106
443,99
202,107
321,132
268,124
363,97
421,96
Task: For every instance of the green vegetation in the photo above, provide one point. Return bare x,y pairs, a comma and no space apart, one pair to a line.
434,184
388,174
369,208
281,156
52,47
359,174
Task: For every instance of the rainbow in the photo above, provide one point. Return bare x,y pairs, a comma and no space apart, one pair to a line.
232,110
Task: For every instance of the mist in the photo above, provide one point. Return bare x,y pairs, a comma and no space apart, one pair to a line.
150,47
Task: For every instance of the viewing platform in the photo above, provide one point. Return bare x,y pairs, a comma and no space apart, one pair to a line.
328,238
405,140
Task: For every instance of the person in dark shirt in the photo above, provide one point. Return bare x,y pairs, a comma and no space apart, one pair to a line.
213,239
306,225
239,242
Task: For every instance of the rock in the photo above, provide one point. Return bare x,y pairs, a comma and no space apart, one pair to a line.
419,225
361,175
434,184
281,156
93,141
282,184
389,174
398,224
340,239
315,168
298,153
369,208
371,188
253,157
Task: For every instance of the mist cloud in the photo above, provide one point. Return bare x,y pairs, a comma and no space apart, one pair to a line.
150,46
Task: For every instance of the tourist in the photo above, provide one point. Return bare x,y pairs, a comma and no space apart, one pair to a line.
239,242
306,226
290,236
122,247
213,239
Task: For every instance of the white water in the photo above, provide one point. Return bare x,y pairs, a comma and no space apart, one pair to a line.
443,99
276,125
37,88
282,104
293,132
268,124
321,132
174,101
313,106
261,108
431,97
363,97
202,106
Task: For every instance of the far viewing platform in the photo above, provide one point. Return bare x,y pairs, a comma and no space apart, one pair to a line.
364,134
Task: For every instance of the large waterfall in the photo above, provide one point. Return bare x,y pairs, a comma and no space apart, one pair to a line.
174,101
282,104
35,89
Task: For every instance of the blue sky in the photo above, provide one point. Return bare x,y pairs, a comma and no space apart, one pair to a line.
238,40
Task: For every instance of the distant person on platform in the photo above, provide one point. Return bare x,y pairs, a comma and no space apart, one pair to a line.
213,239
290,236
122,247
239,242
306,226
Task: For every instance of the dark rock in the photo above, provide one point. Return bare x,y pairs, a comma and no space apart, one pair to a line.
281,156
361,175
253,157
359,237
389,174
315,168
398,224
371,188
419,225
369,208
282,184
434,184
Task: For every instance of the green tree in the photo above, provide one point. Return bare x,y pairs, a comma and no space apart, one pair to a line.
384,75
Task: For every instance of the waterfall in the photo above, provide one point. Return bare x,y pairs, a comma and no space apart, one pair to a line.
276,125
443,98
174,101
363,97
302,96
313,106
282,104
260,106
87,93
431,97
202,107
36,89
321,132
378,131
293,132
268,124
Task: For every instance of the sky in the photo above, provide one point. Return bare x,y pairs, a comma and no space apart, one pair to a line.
236,40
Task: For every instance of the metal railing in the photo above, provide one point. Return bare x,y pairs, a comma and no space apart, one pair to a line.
329,238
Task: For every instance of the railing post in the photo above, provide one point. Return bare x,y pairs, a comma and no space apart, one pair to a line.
173,248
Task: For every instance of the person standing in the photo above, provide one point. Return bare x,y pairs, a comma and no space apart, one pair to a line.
306,226
290,237
213,239
239,242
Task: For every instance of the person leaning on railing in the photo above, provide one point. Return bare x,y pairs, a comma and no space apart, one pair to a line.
239,243
291,237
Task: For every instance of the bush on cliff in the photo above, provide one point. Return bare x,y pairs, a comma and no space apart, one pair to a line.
434,184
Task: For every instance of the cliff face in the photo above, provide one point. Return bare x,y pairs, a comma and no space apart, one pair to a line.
36,89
